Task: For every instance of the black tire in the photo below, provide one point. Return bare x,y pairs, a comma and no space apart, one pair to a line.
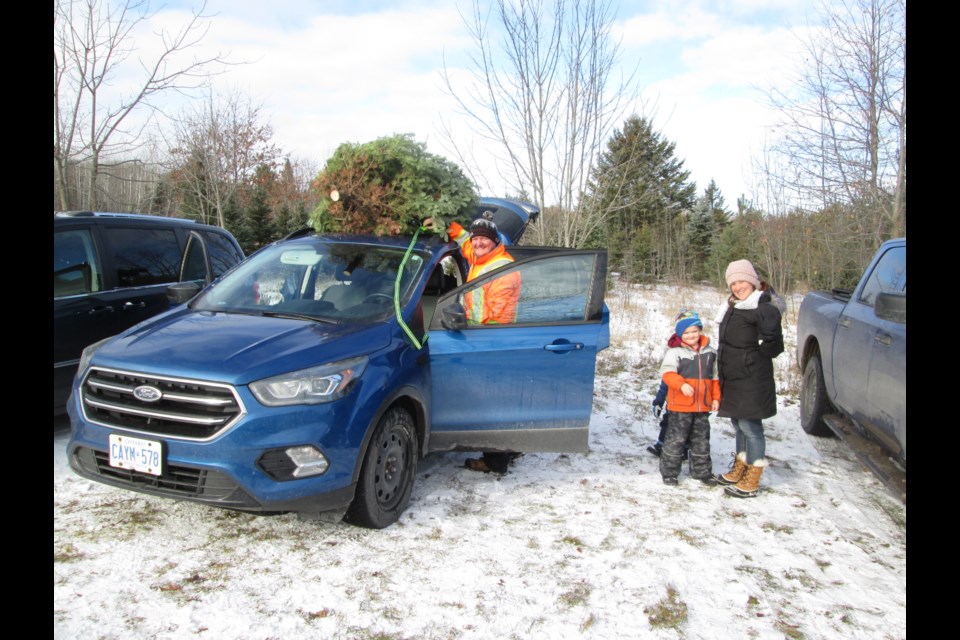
386,477
813,399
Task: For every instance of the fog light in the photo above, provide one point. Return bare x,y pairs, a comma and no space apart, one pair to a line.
308,460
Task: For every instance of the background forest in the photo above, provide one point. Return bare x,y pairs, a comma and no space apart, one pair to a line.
830,184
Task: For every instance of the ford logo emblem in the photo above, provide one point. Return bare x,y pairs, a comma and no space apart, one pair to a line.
147,393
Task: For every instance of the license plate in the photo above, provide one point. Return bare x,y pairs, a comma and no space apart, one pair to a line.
136,454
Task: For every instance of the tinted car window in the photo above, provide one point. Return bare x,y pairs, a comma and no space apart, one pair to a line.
75,266
144,257
194,265
223,253
889,276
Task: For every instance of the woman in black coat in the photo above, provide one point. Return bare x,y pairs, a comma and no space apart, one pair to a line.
749,338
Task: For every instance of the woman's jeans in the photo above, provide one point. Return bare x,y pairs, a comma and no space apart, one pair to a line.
750,438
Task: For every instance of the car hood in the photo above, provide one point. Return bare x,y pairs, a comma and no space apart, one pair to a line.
235,348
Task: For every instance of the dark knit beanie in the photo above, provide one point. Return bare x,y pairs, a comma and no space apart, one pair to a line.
485,227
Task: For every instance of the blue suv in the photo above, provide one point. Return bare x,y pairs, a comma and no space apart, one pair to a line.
313,376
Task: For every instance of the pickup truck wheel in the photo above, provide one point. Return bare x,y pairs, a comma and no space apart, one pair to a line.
387,474
813,399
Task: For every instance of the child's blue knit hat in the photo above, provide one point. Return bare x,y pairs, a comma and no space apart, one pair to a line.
685,320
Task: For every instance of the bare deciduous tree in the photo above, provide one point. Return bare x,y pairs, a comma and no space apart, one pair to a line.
100,80
844,123
218,144
544,95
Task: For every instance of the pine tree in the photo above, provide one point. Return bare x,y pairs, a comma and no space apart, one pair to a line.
258,222
707,221
640,185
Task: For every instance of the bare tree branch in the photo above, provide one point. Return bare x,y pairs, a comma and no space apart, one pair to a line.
93,49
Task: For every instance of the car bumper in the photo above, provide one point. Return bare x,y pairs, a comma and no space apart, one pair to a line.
228,471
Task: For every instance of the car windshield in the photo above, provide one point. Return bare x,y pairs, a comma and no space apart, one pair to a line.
316,279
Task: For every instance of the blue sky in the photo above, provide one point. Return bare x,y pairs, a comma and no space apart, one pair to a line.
327,72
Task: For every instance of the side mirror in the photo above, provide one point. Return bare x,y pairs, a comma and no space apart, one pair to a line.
453,316
891,306
181,292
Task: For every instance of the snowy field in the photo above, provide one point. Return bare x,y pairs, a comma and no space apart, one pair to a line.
563,546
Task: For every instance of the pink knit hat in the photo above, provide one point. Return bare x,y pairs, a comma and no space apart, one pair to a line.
742,270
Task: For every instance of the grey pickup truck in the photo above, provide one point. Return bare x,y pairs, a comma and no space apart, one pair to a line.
851,348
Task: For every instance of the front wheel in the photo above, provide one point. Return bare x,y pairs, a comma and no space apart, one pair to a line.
813,399
386,477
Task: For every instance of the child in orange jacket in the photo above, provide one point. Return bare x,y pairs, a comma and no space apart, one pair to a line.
693,391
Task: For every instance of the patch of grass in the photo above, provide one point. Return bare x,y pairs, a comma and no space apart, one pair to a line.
357,633
572,540
669,613
823,564
589,622
533,543
577,596
791,631
67,553
314,615
611,364
766,579
802,577
689,538
779,528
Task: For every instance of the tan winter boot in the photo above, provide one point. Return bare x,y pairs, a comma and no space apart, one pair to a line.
736,471
749,485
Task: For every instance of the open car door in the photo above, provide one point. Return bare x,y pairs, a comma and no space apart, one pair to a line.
525,385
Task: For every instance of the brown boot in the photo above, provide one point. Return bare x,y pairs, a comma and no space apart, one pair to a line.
749,485
736,471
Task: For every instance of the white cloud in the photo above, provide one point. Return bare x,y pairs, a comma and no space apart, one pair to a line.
328,73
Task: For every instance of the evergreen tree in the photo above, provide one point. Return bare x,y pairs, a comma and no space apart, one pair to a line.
699,236
284,220
234,221
707,221
258,222
716,206
640,185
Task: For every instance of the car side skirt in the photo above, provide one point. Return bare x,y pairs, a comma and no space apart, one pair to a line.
532,440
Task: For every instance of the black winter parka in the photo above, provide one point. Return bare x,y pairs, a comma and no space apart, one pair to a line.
748,341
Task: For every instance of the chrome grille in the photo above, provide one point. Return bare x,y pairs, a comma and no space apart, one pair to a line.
209,486
189,409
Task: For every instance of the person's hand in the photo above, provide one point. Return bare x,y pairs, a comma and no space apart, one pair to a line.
430,225
657,411
715,405
686,390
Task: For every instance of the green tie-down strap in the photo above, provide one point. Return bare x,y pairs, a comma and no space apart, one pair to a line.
396,295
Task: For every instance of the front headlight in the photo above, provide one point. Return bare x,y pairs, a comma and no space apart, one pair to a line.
316,385
87,354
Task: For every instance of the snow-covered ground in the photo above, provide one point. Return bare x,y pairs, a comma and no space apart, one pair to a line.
564,546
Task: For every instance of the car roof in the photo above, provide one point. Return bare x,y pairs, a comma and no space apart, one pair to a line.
102,217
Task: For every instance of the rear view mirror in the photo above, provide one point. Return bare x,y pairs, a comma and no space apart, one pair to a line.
892,307
181,292
453,316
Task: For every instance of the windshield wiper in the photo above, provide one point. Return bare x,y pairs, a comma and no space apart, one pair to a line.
299,316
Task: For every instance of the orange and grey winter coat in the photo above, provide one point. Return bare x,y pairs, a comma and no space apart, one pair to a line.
696,368
496,301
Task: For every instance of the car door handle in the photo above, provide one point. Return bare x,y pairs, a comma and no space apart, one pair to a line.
883,338
566,346
844,322
134,306
100,311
